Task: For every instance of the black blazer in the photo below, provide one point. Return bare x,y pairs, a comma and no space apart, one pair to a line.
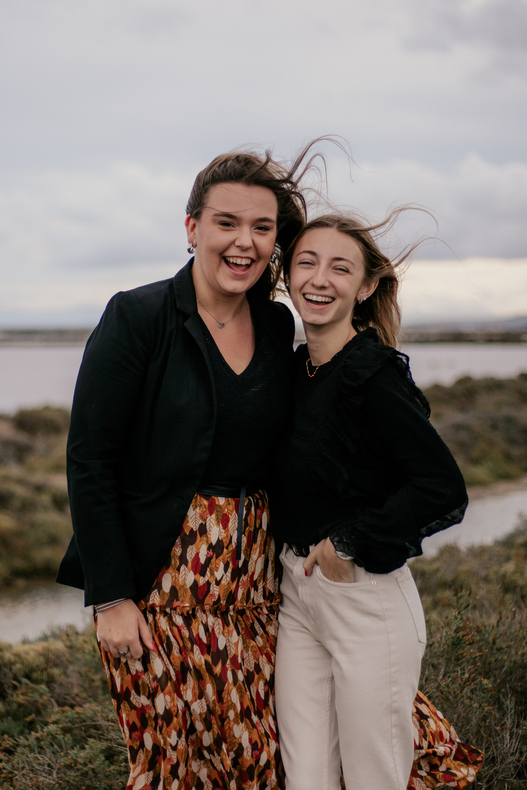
142,425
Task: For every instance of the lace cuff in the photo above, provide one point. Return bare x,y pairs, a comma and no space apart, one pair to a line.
345,540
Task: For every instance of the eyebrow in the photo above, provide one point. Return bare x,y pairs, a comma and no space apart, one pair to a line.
235,216
315,254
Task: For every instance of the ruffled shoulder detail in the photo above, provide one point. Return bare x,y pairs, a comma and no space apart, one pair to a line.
340,430
402,364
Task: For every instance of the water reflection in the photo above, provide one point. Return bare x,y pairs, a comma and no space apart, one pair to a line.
30,611
486,520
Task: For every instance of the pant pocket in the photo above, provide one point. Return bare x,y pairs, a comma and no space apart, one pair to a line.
411,595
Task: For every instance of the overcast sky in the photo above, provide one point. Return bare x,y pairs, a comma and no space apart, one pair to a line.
110,107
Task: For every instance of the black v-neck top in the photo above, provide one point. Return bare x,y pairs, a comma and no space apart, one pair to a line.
247,405
360,462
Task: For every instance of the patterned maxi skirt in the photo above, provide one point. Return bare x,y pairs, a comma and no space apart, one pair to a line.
199,711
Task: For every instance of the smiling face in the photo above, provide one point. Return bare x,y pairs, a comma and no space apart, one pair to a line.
327,276
234,238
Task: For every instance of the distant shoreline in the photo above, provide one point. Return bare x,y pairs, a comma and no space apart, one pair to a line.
73,336
44,337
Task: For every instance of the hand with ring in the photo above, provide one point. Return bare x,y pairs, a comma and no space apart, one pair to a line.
123,631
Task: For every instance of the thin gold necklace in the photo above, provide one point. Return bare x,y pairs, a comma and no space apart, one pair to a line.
316,367
307,368
221,324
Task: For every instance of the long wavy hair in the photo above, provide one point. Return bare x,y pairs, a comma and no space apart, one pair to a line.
380,310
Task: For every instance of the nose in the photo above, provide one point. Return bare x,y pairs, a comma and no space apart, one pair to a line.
319,279
244,240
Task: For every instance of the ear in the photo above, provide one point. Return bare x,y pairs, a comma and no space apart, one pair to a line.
367,289
190,224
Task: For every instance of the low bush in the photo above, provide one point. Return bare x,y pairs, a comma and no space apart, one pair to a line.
58,728
35,524
484,423
46,420
475,666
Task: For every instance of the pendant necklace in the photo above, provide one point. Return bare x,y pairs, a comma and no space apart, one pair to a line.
221,324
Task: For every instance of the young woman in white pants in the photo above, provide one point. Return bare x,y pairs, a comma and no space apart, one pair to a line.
363,478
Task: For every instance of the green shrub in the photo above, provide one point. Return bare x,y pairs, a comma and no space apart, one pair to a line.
35,524
58,729
475,665
484,423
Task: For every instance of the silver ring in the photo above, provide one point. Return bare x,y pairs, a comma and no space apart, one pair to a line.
123,652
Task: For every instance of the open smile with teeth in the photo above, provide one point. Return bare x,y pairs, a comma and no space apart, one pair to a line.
238,263
318,298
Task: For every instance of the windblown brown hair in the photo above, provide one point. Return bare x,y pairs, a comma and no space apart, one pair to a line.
255,169
380,310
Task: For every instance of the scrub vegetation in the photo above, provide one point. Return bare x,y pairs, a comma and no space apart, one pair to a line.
58,730
483,421
35,524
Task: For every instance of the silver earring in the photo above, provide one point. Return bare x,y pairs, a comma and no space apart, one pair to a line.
363,299
288,287
190,249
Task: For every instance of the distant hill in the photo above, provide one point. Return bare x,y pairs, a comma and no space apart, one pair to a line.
506,330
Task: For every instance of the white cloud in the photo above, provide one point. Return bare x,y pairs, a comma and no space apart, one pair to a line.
75,237
137,79
465,290
480,207
80,236
110,108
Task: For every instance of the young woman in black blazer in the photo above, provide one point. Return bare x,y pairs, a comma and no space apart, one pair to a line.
362,478
184,388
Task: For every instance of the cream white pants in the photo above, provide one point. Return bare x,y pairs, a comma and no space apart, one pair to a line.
347,669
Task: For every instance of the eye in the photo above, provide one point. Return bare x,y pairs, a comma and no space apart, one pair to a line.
342,269
224,223
305,262
263,228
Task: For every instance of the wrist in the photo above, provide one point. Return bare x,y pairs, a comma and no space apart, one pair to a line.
341,547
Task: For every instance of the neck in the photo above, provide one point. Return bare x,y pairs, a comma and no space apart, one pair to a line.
323,342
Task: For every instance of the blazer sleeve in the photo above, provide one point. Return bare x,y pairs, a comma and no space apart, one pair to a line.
108,387
432,496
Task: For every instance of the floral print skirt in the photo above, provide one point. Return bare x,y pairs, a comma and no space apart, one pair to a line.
199,712
440,758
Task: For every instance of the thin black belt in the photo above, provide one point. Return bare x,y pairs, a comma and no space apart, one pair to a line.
242,491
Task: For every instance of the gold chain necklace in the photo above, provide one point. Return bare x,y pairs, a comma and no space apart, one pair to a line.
316,367
307,368
221,324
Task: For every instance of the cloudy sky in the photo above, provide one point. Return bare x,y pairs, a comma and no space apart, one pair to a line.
110,107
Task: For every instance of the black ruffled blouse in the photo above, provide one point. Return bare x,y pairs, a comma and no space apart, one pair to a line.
360,461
